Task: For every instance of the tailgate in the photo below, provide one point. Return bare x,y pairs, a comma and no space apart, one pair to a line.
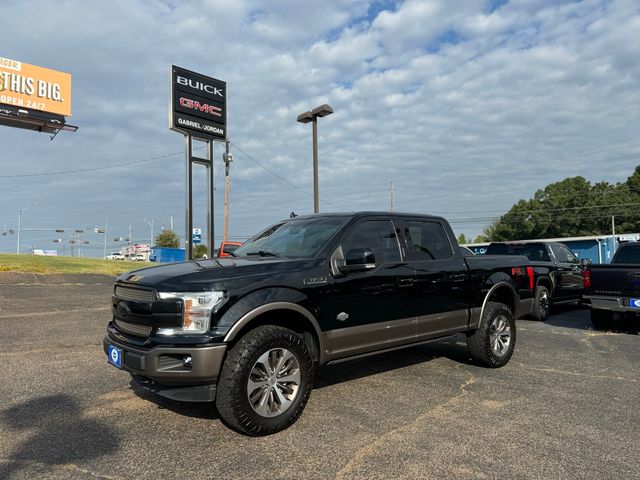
615,279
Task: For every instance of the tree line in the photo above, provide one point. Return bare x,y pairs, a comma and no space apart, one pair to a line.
573,207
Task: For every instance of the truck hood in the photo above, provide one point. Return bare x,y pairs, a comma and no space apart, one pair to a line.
205,274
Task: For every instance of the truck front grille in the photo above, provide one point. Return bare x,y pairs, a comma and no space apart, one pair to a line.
130,293
133,329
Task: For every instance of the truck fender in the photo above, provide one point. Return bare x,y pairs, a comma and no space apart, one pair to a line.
259,302
492,290
547,280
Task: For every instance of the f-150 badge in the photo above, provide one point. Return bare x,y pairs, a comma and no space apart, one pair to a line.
315,281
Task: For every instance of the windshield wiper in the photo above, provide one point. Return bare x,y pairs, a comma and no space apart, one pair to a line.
263,253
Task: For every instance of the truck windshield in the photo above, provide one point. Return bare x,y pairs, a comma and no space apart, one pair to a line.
627,255
533,251
294,238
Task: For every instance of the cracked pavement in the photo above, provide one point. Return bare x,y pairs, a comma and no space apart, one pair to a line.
566,406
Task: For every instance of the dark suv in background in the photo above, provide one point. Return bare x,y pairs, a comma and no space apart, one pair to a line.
559,273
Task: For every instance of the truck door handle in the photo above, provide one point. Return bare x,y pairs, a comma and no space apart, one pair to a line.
405,282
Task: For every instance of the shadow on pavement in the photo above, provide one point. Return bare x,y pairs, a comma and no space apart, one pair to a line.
60,436
188,409
579,318
453,348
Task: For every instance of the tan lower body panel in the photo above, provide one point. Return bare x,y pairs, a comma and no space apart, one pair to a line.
351,341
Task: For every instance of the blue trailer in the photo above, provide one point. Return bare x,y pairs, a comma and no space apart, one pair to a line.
166,255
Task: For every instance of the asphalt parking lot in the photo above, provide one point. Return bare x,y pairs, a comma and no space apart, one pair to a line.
566,406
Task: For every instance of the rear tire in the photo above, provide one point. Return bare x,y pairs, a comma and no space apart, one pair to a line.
601,319
492,344
265,381
542,304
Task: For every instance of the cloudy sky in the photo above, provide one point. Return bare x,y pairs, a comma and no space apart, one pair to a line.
465,105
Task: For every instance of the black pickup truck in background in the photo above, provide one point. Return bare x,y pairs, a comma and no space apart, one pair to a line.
559,273
250,330
615,287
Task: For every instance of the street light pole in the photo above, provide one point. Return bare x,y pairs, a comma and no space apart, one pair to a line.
19,228
316,193
312,116
20,224
106,222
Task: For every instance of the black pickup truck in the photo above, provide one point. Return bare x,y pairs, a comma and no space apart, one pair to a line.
249,331
559,273
615,287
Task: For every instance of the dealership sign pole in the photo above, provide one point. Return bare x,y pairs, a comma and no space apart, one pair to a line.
198,110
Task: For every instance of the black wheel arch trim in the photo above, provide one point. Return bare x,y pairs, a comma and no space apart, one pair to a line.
494,288
259,302
547,282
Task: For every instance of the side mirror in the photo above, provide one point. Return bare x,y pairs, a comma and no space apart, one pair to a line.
358,259
585,262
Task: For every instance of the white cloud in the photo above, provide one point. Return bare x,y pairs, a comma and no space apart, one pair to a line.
465,110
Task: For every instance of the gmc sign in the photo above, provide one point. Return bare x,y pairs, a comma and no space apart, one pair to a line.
198,105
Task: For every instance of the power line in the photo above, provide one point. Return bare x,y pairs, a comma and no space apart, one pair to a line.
82,170
279,177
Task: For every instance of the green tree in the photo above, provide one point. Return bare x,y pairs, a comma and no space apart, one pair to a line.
462,239
199,250
570,208
167,238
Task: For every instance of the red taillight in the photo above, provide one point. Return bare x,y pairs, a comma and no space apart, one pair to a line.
587,278
528,271
532,280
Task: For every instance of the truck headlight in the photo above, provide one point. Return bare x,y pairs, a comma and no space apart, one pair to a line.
196,311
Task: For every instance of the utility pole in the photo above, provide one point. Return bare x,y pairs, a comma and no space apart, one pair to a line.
391,193
228,158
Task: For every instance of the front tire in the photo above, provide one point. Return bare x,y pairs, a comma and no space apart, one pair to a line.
601,319
265,381
492,344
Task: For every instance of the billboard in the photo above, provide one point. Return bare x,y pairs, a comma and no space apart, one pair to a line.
36,88
198,104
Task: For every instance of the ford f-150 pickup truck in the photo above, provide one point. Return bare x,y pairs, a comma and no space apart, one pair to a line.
249,331
615,287
559,273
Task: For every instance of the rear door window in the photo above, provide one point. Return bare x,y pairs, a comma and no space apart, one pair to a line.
427,240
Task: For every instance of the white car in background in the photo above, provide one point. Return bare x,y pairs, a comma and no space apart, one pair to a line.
114,256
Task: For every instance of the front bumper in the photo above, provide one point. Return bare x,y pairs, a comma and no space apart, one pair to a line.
613,304
164,371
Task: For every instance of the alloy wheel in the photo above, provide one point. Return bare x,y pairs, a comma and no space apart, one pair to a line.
274,382
500,335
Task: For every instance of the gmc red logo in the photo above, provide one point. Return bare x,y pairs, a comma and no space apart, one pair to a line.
201,107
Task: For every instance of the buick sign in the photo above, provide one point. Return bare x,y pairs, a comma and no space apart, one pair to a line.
198,105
